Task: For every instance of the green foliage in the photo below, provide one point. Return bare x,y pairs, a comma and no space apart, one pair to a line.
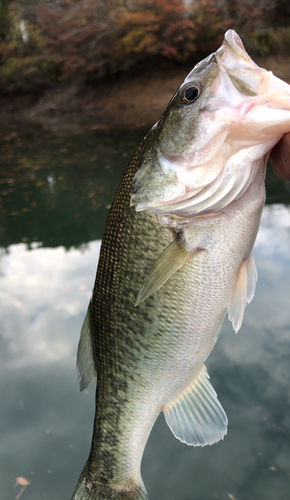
24,65
269,42
4,19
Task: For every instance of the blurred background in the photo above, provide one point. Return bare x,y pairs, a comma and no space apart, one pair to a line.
81,83
95,63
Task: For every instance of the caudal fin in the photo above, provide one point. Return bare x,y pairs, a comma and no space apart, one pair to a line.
86,490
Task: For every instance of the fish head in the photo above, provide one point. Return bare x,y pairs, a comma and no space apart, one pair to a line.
214,135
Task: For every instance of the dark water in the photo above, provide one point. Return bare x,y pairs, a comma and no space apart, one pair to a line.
54,198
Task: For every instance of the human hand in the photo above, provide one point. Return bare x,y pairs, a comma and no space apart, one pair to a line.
280,158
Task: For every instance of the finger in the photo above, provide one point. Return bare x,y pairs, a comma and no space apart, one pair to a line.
280,158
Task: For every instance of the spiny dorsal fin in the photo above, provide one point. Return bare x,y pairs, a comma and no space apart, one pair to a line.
197,418
86,369
172,258
243,292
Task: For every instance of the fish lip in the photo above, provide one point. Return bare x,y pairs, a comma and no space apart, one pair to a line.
233,40
231,49
233,45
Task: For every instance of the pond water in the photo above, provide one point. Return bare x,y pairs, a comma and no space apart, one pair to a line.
54,198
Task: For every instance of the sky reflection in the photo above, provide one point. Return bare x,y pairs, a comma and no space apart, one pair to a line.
44,293
46,423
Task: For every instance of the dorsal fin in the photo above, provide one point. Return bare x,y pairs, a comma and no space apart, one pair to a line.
196,417
172,258
86,369
243,292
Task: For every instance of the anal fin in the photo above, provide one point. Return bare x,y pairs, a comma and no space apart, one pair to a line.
196,417
243,292
85,357
172,258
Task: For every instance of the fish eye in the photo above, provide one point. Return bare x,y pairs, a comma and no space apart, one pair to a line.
189,93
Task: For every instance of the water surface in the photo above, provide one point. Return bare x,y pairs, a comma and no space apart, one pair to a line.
54,199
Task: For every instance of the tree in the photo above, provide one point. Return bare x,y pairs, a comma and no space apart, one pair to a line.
4,19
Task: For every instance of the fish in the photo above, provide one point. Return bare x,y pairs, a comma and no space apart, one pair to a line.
176,259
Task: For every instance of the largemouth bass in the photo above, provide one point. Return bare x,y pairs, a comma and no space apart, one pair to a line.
175,260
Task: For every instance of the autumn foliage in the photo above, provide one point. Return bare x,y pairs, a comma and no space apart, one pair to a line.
156,27
51,43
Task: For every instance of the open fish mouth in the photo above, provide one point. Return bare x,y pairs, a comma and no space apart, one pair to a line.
217,131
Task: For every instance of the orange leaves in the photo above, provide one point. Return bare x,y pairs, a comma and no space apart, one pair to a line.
91,39
171,5
183,27
22,481
169,52
164,28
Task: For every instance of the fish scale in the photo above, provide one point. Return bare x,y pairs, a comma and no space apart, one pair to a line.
147,344
175,258
111,317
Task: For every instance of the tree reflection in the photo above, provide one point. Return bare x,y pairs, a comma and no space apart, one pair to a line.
57,190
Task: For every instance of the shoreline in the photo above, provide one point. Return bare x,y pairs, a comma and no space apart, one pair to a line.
131,101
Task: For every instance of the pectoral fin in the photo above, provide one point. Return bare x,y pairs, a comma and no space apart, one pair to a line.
197,418
243,292
171,259
85,358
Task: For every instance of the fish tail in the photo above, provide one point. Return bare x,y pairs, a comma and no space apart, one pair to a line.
88,490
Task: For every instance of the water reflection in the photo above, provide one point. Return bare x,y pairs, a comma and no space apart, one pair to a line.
46,424
57,190
54,195
43,293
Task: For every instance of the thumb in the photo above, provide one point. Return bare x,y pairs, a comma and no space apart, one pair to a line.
280,158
